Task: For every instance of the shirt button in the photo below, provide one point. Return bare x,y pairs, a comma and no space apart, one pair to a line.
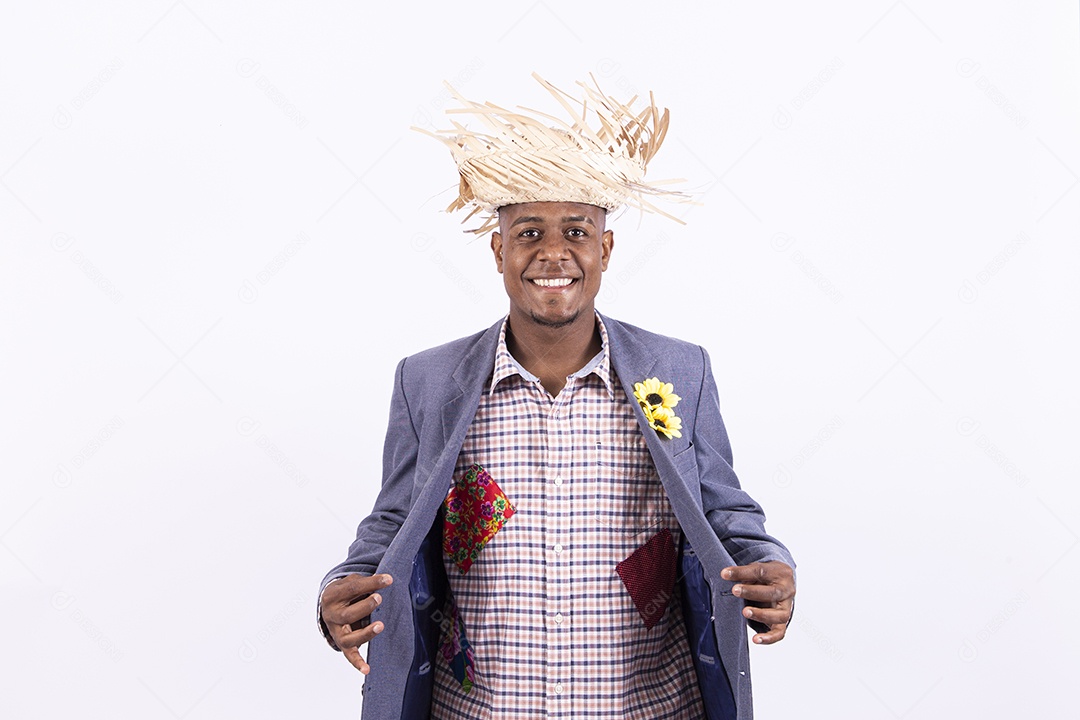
558,688
557,548
558,618
558,480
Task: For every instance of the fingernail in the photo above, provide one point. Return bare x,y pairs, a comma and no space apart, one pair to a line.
736,590
377,598
377,628
748,613
759,640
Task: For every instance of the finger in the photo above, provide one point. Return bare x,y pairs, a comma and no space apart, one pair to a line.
767,616
752,573
337,633
356,660
763,573
353,635
354,638
760,593
352,614
775,634
352,587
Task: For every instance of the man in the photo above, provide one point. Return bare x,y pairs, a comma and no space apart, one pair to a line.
559,532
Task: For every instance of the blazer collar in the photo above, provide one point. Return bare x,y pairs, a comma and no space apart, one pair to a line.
631,359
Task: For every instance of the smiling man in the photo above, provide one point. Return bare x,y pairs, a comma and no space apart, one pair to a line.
559,531
551,255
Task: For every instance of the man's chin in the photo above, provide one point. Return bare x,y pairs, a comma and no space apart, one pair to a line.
554,323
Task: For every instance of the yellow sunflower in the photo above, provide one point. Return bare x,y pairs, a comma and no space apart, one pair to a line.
653,394
663,421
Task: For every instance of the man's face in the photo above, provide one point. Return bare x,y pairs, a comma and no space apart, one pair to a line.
551,256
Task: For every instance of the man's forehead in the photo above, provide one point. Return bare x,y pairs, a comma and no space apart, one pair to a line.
552,212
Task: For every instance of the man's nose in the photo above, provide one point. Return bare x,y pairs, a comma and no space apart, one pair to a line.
554,247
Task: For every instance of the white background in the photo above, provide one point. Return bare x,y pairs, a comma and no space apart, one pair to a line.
218,236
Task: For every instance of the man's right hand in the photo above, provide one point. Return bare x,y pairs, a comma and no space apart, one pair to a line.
346,609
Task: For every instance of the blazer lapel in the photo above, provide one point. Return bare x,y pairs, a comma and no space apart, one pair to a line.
469,376
437,467
634,361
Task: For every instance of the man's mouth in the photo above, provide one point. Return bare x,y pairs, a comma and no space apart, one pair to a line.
552,282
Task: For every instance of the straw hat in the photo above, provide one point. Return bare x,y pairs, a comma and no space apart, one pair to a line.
530,156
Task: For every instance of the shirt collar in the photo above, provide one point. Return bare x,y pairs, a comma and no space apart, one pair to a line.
506,365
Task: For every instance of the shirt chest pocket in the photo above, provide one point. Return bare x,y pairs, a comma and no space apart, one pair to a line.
627,496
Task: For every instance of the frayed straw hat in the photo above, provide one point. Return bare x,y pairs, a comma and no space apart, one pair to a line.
520,158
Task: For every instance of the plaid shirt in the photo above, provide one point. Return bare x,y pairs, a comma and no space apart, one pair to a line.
553,630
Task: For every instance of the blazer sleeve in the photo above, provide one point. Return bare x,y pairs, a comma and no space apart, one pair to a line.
378,529
734,516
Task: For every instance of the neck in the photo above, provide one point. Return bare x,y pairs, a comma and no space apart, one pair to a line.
552,353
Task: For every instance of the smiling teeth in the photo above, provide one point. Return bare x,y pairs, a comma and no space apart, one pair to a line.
554,282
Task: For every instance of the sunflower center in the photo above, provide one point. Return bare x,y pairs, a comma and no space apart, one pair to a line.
660,422
654,399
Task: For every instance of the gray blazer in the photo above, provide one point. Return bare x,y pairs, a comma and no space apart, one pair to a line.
436,393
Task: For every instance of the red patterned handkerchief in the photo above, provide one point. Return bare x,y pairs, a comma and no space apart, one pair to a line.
476,509
649,576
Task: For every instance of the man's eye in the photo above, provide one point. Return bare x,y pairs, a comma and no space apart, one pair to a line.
530,234
576,233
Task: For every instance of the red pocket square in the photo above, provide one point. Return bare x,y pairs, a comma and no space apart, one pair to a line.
476,509
649,576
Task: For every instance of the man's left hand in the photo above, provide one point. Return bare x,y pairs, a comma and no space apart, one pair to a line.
769,591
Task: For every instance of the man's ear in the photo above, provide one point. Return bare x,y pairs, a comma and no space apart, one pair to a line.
496,249
607,241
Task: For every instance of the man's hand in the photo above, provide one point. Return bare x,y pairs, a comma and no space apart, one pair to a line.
769,591
346,609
